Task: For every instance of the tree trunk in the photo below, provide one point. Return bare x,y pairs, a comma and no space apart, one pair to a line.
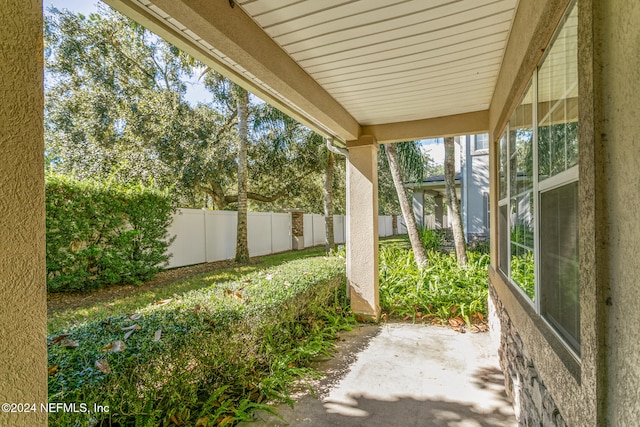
242,245
453,202
328,201
407,212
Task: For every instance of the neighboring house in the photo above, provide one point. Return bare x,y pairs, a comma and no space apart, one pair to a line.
472,189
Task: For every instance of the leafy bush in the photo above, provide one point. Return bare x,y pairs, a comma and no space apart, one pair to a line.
442,290
431,239
482,246
100,233
207,357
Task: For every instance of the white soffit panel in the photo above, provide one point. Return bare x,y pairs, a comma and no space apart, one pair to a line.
391,61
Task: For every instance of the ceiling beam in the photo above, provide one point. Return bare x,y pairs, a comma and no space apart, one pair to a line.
257,62
437,127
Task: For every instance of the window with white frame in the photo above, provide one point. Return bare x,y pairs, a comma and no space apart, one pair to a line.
481,142
538,189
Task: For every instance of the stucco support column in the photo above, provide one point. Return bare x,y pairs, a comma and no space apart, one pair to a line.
362,227
438,212
23,300
418,206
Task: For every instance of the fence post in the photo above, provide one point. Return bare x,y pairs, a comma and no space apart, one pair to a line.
297,229
271,233
204,228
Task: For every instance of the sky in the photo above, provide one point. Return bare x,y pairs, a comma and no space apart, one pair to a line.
83,6
197,93
435,149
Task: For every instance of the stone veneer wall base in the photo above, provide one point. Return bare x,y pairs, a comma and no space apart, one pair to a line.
532,402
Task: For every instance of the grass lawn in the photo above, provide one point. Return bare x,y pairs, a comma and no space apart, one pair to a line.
401,241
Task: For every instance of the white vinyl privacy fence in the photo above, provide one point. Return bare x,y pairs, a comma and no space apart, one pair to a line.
315,229
430,222
207,236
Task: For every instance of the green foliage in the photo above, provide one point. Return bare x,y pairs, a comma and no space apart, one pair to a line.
522,234
114,104
115,108
410,159
481,246
222,352
522,272
132,302
388,203
443,290
411,162
291,158
415,166
101,233
522,264
557,147
431,239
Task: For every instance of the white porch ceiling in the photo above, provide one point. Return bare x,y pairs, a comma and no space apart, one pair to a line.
342,65
391,61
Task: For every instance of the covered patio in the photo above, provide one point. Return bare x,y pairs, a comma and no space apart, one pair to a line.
440,377
364,73
358,73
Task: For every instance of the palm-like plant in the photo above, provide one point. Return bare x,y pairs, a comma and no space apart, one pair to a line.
273,134
453,202
405,159
242,244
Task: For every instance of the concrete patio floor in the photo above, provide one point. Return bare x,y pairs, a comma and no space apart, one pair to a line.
403,375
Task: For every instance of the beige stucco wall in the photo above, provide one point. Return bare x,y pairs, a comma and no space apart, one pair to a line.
23,308
617,130
578,388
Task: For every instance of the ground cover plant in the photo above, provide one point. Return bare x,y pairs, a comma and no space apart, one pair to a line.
131,299
431,239
206,357
442,292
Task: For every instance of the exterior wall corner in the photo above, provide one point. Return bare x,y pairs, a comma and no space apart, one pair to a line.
23,317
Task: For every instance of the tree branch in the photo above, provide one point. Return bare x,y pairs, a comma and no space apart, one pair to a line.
163,71
261,198
255,196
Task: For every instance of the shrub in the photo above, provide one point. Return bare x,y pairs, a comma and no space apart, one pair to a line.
431,239
482,246
442,290
101,233
222,350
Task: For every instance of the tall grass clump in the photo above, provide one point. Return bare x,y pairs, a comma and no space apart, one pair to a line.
207,357
443,290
